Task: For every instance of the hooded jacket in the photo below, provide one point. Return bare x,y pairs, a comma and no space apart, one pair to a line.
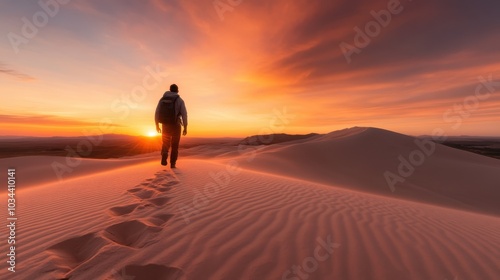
180,109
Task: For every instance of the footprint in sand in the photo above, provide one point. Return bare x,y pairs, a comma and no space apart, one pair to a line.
163,189
123,210
149,272
134,190
143,193
127,209
170,184
72,252
159,201
160,219
144,205
135,234
164,186
157,180
166,176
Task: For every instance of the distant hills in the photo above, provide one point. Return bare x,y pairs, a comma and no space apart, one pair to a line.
270,139
119,145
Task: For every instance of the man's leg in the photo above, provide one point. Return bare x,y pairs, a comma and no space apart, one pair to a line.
176,138
166,137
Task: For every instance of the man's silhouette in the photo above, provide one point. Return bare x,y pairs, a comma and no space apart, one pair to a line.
172,114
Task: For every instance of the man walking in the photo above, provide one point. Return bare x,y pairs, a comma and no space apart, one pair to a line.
172,114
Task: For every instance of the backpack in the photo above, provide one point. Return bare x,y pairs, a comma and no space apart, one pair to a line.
167,110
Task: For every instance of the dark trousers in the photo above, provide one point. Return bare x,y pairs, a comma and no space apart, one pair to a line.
171,136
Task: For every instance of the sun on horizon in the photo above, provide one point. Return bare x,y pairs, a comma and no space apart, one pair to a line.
151,133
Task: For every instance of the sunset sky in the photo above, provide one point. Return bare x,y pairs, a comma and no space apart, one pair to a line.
238,62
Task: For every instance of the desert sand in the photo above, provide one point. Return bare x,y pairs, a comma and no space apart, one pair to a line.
317,208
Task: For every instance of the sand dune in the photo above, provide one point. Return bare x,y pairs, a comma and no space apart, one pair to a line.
359,157
211,220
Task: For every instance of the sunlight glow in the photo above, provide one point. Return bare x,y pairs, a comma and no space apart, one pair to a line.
151,133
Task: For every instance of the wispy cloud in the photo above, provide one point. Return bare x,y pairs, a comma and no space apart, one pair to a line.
45,120
6,70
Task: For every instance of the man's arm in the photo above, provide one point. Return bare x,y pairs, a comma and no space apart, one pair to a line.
184,117
157,118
